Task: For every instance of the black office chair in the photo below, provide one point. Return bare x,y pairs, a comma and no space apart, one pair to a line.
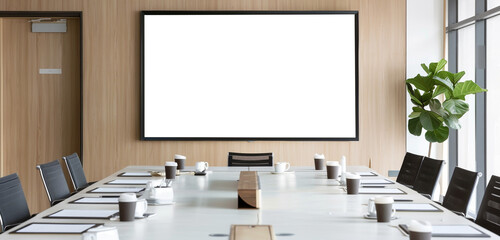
489,211
409,169
250,159
13,206
76,172
459,193
427,176
54,182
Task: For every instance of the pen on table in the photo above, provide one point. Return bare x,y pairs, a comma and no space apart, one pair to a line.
373,186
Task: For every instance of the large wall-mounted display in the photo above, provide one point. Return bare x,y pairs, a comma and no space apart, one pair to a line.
219,75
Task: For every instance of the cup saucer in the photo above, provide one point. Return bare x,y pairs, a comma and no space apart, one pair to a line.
370,216
285,172
116,217
373,216
158,202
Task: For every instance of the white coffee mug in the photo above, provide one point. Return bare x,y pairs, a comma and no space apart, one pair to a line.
101,233
162,195
201,166
141,207
149,186
281,166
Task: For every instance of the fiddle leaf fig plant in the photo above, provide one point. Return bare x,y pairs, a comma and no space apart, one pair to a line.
429,113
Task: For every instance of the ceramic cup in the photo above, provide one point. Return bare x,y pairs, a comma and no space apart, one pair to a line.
352,182
162,195
180,160
280,167
332,169
420,230
127,203
319,161
101,233
384,209
201,166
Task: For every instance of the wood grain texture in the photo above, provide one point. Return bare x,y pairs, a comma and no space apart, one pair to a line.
249,190
41,113
1,100
111,85
251,232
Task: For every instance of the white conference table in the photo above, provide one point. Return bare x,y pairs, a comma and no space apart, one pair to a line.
303,203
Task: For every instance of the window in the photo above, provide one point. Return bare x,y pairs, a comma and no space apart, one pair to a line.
474,46
466,9
467,134
492,4
493,96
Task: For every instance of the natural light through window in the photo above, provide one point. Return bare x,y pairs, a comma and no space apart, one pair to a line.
493,97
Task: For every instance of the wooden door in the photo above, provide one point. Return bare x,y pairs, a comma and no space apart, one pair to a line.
40,113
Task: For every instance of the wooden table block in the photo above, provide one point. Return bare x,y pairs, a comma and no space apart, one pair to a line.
251,232
249,190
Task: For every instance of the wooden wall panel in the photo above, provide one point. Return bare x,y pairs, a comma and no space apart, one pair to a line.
111,85
41,113
1,100
39,5
19,99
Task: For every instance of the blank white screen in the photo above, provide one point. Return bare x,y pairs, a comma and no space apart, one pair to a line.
250,76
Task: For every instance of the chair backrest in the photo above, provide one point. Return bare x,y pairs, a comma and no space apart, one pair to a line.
76,172
428,176
54,181
409,169
489,211
250,159
13,206
459,193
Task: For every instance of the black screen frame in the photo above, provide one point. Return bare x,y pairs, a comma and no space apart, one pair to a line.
142,120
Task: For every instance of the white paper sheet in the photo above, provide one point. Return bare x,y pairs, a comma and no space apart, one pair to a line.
136,174
380,190
366,174
97,200
56,228
454,230
117,190
376,181
83,213
414,207
129,181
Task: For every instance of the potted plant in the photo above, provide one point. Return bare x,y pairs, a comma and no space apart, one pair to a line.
429,113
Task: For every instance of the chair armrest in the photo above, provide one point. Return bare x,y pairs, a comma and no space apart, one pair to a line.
80,189
16,224
7,227
426,195
438,203
459,213
58,201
